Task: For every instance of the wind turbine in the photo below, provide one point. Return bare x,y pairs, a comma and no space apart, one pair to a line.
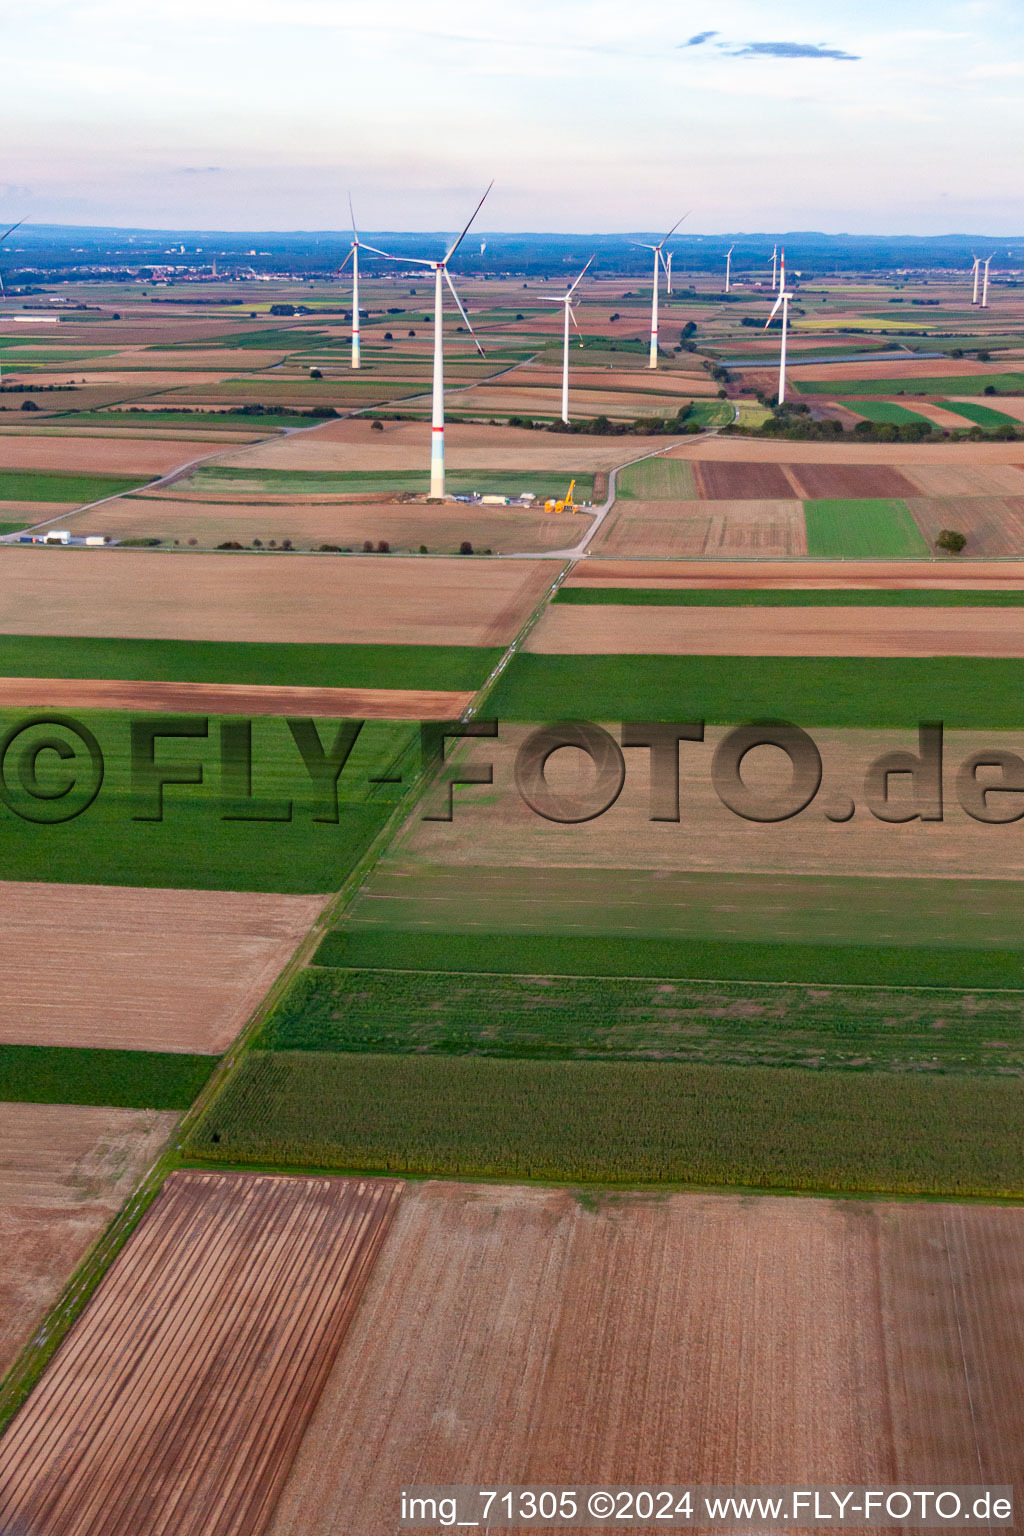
566,300
668,272
441,276
775,269
976,269
782,302
728,268
3,293
353,256
658,256
984,291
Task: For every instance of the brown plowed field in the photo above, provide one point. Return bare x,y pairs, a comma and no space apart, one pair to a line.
342,445
308,524
580,630
232,698
692,529
65,1170
877,575
979,480
99,455
515,1336
993,525
849,480
740,450
114,968
177,1404
919,368
387,599
742,482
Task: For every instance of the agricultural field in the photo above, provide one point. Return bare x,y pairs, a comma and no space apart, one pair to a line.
259,1278
862,1326
852,529
692,530
100,967
64,1173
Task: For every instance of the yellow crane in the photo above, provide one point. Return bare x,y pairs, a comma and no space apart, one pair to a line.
568,504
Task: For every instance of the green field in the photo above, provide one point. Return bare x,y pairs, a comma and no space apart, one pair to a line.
194,846
656,480
11,528
518,954
970,384
54,485
981,415
630,1018
457,668
626,1122
865,691
34,1074
142,420
786,597
884,411
853,529
303,482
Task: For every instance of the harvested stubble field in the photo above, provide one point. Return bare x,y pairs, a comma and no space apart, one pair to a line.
405,445
64,1173
578,630
384,600
992,525
232,699
695,529
186,1416
405,528
964,574
507,1334
122,969
620,1122
959,480
80,453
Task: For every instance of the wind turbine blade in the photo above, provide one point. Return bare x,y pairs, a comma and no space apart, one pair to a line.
353,218
664,263
3,293
572,317
415,261
676,225
771,317
452,249
348,258
583,274
641,245
462,312
10,231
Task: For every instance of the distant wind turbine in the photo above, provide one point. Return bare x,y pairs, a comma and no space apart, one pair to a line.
728,268
976,269
668,272
782,302
353,256
775,269
658,256
441,276
566,300
3,293
984,291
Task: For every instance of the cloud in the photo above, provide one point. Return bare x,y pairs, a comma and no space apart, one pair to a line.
200,170
786,51
696,40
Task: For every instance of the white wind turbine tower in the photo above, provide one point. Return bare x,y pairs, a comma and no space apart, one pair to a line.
441,276
3,294
775,269
976,271
566,300
353,256
728,268
782,302
668,273
658,256
984,290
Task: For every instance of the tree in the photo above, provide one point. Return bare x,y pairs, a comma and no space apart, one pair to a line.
383,547
376,426
465,548
29,405
984,355
316,373
424,550
951,541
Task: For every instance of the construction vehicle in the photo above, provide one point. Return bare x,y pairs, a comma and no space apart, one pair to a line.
568,504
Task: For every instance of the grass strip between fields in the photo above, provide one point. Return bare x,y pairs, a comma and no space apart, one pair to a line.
675,959
40,1074
963,384
965,692
783,597
454,668
584,1121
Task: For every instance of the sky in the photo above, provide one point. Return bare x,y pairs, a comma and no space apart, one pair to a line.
887,116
